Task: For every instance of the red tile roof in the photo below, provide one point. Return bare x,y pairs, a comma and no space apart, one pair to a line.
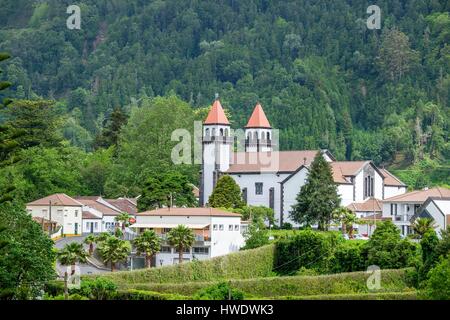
216,115
370,205
420,195
123,204
57,199
107,211
391,180
212,212
258,118
89,215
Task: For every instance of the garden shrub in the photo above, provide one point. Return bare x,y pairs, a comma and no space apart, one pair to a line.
438,284
348,257
307,248
244,264
387,250
54,287
407,295
96,289
220,291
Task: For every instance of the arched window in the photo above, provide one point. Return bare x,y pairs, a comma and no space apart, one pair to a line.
268,135
255,135
207,132
226,132
221,132
249,135
214,132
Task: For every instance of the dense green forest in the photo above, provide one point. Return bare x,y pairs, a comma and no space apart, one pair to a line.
138,69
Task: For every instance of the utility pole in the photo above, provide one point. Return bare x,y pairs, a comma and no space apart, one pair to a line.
50,228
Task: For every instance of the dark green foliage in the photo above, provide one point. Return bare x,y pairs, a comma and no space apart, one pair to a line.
220,291
256,236
26,254
133,294
256,213
308,249
348,257
438,283
169,189
318,197
387,250
96,289
109,135
244,264
226,194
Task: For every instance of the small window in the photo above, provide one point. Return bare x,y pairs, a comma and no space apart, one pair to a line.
236,227
166,230
87,225
200,250
230,227
215,227
220,227
96,225
259,188
166,249
76,213
186,250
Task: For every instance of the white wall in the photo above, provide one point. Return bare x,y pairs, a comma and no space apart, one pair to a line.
68,217
346,193
97,225
291,189
391,191
269,180
225,241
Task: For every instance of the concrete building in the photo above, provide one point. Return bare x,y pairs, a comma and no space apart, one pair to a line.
216,232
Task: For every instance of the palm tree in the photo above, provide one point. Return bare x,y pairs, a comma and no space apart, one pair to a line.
69,256
101,237
90,240
124,219
347,218
181,238
422,225
114,250
149,243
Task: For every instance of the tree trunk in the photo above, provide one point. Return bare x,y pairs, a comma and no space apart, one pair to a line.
148,261
344,229
113,266
91,249
180,255
66,289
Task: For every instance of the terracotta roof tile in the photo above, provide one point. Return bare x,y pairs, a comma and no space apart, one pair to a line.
258,118
213,212
57,199
123,204
216,115
104,209
420,195
391,180
370,205
89,215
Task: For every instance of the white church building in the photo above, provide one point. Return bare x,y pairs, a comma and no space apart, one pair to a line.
273,178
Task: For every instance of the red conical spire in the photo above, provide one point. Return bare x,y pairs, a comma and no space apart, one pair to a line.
216,115
258,118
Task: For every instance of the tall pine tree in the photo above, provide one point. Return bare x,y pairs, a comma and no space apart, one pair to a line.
318,198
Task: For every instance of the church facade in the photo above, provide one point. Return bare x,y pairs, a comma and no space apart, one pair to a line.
273,178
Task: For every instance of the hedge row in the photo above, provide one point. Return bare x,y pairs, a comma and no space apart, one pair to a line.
240,265
403,295
343,283
133,294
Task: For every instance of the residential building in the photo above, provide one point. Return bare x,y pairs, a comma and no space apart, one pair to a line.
402,208
274,178
369,213
217,232
64,212
436,209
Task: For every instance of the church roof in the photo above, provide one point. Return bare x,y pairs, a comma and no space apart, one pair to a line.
258,118
216,114
275,161
391,180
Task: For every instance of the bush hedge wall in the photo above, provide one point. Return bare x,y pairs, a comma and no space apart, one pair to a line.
406,295
240,265
344,283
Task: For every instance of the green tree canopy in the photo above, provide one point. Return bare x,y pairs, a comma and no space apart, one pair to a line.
226,194
181,237
318,197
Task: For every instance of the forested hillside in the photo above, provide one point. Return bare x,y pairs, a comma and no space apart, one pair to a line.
324,79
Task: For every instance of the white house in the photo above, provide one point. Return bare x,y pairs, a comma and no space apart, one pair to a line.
437,209
402,208
216,232
79,215
274,178
61,209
